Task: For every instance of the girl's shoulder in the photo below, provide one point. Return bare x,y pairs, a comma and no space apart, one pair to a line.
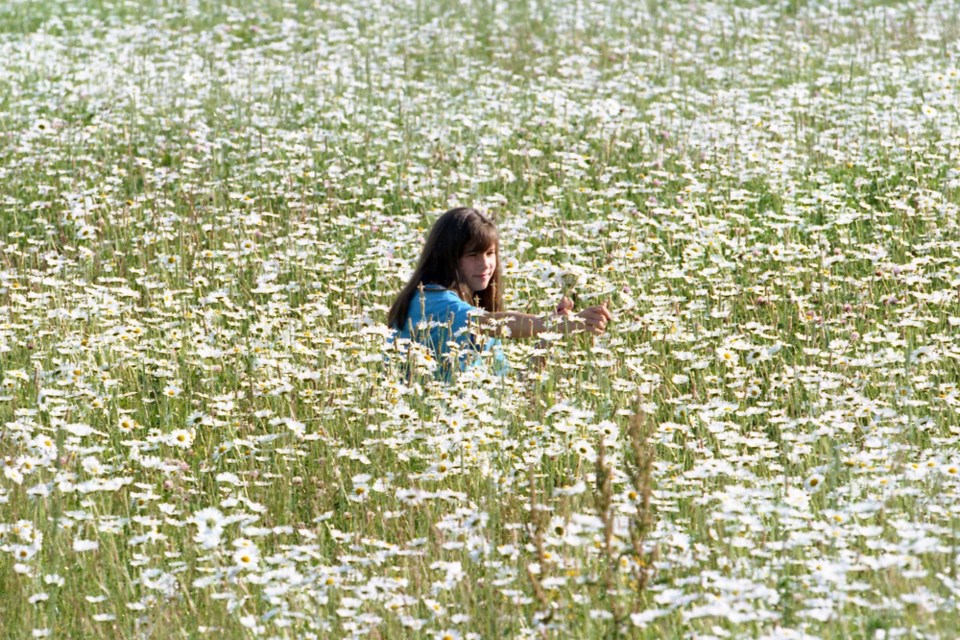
438,300
432,289
438,292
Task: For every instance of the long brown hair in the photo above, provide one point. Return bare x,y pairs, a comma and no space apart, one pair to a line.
455,233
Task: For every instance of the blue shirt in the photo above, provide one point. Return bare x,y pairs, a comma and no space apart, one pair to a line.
437,317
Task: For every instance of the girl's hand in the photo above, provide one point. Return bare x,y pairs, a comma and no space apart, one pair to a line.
565,307
592,320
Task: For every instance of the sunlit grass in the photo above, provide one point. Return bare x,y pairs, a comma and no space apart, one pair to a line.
207,208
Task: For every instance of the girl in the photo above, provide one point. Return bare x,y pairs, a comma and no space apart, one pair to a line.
457,278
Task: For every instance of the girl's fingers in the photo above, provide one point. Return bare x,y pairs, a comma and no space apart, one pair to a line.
591,314
593,319
597,314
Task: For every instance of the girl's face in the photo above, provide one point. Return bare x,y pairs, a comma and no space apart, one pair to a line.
477,267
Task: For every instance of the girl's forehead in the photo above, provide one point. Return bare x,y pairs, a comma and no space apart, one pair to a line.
480,244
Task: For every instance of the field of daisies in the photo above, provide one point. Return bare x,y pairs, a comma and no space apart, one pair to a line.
206,209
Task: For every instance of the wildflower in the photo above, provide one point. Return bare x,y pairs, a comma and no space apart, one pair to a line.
181,438
210,523
361,487
86,232
584,449
247,555
85,545
813,483
169,262
92,466
727,356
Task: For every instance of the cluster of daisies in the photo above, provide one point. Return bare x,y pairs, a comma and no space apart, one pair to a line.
206,429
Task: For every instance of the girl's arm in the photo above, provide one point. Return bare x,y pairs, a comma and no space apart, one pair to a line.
514,324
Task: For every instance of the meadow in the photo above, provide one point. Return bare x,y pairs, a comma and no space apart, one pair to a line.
206,209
